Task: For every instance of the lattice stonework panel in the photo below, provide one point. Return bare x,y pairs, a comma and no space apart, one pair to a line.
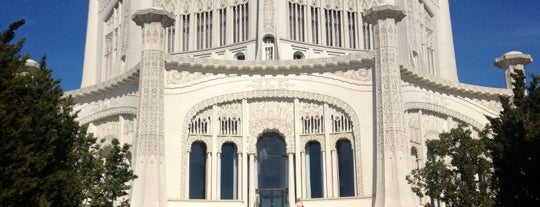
201,124
312,117
230,119
340,122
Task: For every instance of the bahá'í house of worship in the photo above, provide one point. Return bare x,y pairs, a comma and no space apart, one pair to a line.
255,103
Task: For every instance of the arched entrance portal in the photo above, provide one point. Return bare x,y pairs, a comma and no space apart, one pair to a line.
272,168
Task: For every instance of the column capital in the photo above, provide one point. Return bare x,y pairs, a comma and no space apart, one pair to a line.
512,58
146,16
384,12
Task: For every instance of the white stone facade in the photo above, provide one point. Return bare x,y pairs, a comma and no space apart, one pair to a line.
375,76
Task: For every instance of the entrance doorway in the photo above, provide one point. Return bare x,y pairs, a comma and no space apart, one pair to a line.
272,168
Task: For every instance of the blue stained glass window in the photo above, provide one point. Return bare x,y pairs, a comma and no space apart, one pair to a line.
346,168
197,171
315,170
229,172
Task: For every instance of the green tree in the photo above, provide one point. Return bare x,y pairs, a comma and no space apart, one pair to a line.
110,173
456,171
46,158
514,146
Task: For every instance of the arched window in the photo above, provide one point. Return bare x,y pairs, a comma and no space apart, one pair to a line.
268,45
197,171
345,168
229,172
314,170
298,55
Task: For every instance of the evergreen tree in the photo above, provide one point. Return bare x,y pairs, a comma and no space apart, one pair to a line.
456,171
514,146
46,158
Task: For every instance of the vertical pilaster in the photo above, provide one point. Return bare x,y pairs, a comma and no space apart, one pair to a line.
298,157
391,186
303,171
149,188
245,173
214,183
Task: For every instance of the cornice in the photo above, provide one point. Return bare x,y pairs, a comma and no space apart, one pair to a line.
384,12
120,80
330,64
146,16
462,89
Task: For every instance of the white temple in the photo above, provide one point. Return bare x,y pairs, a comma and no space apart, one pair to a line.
257,103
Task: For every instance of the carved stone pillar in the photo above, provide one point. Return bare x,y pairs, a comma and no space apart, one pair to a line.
149,188
510,62
391,186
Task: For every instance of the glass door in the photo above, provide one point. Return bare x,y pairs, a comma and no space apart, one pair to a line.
272,171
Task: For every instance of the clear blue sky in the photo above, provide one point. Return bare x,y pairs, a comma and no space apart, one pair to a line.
483,30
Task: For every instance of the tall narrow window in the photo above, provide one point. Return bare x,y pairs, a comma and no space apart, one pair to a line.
367,29
328,23
337,27
240,22
351,17
185,32
333,20
222,26
315,25
229,172
314,170
197,171
297,21
111,39
204,29
170,33
268,48
346,168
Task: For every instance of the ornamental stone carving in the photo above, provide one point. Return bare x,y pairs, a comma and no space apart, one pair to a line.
269,16
360,74
272,111
181,77
270,84
271,115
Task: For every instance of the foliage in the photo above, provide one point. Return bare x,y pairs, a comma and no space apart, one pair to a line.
109,173
456,172
514,146
47,158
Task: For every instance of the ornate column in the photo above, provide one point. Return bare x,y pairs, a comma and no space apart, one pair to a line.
510,62
391,186
149,188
